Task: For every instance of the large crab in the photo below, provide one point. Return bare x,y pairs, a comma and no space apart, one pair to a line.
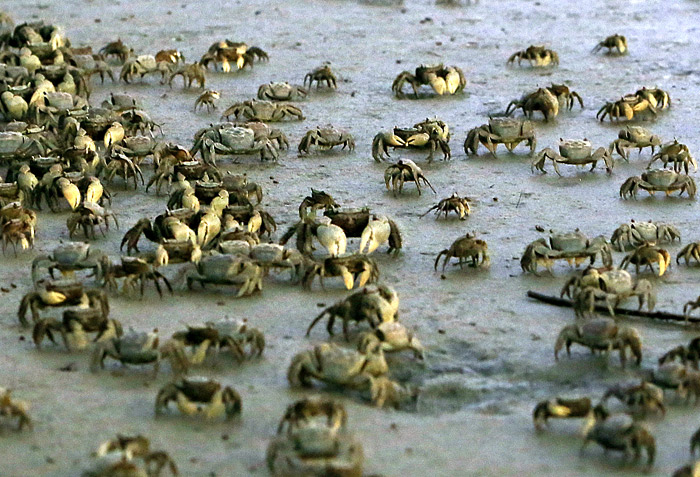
431,133
612,43
575,152
574,247
373,230
467,249
119,456
507,131
634,234
404,170
200,395
601,334
138,348
281,91
77,322
632,137
228,270
612,286
331,236
266,111
647,254
59,294
677,154
374,304
454,203
680,377
443,80
351,268
633,104
363,369
230,139
140,66
542,100
561,408
14,408
312,440
639,398
326,138
537,55
69,257
659,180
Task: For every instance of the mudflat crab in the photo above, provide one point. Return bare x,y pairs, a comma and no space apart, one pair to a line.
574,152
230,139
632,137
467,249
266,111
227,52
200,395
647,255
634,234
676,154
59,294
690,251
136,271
542,100
601,334
404,170
680,377
281,91
612,43
394,337
351,268
443,79
659,180
574,247
331,236
77,322
561,408
537,55
326,138
208,99
429,134
87,216
123,456
454,203
14,408
639,398
631,105
228,270
507,131
321,74
372,229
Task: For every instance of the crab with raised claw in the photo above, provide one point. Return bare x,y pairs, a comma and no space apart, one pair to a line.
200,395
281,91
454,203
574,247
612,43
374,305
634,234
231,139
574,152
228,270
351,268
467,249
565,96
77,322
634,137
601,334
507,131
537,55
443,79
659,180
632,105
118,456
641,399
266,111
677,154
326,138
647,254
405,170
561,408
373,230
331,236
429,134
59,294
542,100
321,74
312,440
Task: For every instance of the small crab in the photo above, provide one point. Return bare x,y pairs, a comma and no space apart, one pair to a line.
574,247
601,334
119,164
677,154
351,268
207,99
443,80
634,234
405,170
331,236
265,111
117,49
678,377
326,138
633,104
227,52
281,91
467,249
316,442
58,294
67,258
507,131
690,251
394,337
537,55
118,456
613,42
565,96
77,322
659,180
230,139
135,271
542,100
561,408
321,74
228,270
647,254
140,66
454,203
634,137
200,395
190,73
431,133
574,152
14,408
89,215
640,399
375,305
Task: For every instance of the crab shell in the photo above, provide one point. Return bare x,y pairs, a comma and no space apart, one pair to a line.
575,149
71,252
506,127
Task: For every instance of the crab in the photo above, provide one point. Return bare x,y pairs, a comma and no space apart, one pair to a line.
135,271
55,184
200,395
120,164
679,377
647,254
207,99
87,216
173,224
228,51
242,189
444,80
621,433
405,170
59,294
689,354
228,138
641,399
138,121
117,49
266,111
326,138
362,369
228,270
14,408
561,408
130,448
182,164
537,55
18,232
140,66
281,91
321,74
16,145
454,203
467,249
312,440
690,251
373,230
77,322
613,42
574,152
659,180
317,200
677,154
331,236
627,107
351,268
374,304
601,334
689,307
634,137
612,286
574,247
255,220
69,257
272,255
190,73
394,337
52,106
542,100
431,133
507,131
634,234
565,96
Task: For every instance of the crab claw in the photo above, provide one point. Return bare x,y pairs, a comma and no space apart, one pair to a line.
332,238
348,278
453,81
376,233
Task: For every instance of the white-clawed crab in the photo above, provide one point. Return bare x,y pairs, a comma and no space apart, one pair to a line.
372,229
601,334
364,369
140,66
266,111
59,294
326,138
561,408
69,257
507,131
199,395
574,152
443,79
351,268
230,139
574,247
611,286
405,170
647,255
676,154
429,134
228,270
537,55
634,234
281,91
634,137
467,249
129,456
612,43
659,180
